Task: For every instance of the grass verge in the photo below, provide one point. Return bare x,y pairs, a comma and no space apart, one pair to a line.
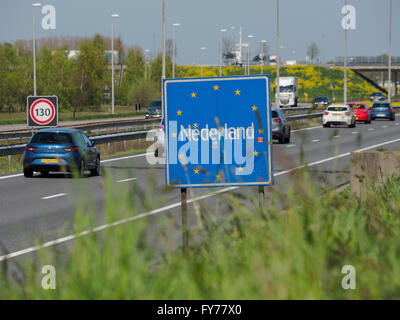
294,248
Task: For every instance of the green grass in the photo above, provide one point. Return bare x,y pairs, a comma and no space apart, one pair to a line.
294,248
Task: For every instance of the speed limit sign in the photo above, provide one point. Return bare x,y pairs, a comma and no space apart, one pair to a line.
42,111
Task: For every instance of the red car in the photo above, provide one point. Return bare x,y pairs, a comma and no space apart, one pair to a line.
361,111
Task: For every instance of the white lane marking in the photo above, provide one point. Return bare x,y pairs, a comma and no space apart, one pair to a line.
290,145
397,124
174,205
305,129
126,180
127,157
315,140
384,126
12,176
338,136
102,161
54,196
354,132
371,129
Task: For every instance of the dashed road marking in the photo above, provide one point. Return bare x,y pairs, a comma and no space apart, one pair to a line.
126,180
315,140
54,196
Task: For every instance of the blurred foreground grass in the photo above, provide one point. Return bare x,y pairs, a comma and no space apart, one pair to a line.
294,248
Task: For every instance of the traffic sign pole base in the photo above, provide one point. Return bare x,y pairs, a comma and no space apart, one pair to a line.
185,232
261,196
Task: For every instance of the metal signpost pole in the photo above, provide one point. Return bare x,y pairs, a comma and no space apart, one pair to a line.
34,5
185,233
261,194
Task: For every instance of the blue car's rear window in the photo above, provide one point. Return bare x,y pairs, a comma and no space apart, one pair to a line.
380,105
52,138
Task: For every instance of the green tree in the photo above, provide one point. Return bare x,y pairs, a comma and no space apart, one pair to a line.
88,77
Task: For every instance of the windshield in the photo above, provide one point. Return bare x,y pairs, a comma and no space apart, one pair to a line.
357,106
337,109
321,99
274,114
286,88
155,104
52,138
380,105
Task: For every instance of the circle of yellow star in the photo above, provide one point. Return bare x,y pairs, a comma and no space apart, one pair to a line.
181,156
237,92
256,153
174,134
216,87
196,171
193,94
179,112
240,169
261,131
254,108
219,176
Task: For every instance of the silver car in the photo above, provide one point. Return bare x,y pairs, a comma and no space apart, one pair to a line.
280,126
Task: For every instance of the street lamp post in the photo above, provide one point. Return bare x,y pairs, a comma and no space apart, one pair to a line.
263,45
390,53
34,5
220,52
248,53
201,61
277,55
345,64
173,48
113,16
146,62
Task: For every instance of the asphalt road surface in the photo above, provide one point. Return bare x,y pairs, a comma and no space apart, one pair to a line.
43,209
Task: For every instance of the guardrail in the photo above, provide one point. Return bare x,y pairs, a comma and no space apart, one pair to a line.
98,126
115,137
133,124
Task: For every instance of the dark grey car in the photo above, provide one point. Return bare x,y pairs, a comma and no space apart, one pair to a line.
154,110
280,126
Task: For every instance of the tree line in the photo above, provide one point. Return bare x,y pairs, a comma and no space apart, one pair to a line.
82,83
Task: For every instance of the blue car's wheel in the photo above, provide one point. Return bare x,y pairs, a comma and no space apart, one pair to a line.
28,173
82,169
96,170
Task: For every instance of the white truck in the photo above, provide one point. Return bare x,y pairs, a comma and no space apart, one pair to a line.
288,92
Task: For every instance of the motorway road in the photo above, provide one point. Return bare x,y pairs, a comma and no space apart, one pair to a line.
44,208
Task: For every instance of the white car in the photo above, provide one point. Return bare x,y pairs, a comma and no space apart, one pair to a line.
159,139
338,114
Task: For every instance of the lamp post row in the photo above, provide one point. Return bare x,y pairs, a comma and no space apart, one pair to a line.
113,16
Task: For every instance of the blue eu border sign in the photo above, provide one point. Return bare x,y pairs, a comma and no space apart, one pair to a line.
218,132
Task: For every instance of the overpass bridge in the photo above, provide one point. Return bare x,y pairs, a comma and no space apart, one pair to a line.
374,70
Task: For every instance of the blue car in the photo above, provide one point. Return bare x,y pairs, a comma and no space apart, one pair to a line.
382,110
52,150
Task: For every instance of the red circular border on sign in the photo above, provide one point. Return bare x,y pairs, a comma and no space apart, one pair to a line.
53,111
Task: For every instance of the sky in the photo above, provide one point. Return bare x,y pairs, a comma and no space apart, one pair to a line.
301,22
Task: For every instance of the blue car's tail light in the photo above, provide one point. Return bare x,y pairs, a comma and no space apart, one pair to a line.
29,148
70,149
